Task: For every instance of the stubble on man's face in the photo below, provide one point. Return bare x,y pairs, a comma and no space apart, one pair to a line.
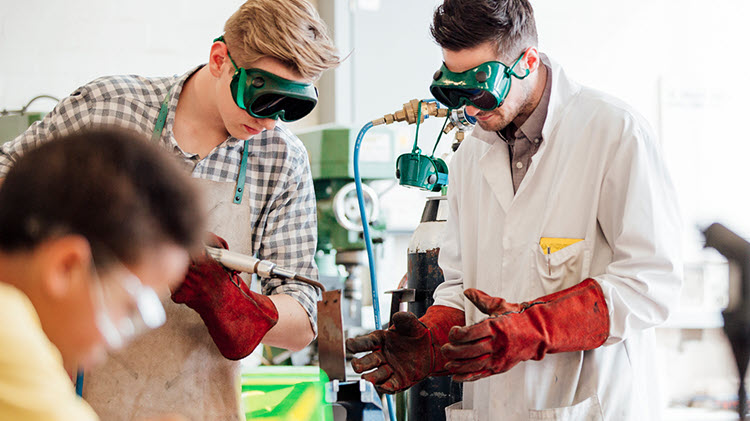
514,105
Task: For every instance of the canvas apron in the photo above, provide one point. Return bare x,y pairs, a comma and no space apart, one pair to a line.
177,368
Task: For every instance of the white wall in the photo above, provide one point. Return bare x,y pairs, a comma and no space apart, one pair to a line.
681,64
52,47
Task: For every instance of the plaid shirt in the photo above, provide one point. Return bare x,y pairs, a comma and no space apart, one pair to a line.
283,227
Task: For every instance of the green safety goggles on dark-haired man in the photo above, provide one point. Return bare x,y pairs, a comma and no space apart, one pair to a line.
484,87
265,95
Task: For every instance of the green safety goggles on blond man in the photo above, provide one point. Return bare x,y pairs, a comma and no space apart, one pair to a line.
265,95
484,87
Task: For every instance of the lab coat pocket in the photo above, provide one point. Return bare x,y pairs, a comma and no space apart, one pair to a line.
563,268
586,410
456,412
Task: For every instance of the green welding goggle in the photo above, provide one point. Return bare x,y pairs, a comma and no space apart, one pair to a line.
264,95
484,86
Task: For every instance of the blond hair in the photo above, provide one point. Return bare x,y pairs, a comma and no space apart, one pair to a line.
290,31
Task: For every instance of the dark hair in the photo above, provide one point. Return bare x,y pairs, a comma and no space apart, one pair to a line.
121,193
461,24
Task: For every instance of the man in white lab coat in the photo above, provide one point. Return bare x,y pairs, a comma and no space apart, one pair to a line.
559,201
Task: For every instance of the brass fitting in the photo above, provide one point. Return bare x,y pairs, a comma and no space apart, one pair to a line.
448,127
409,113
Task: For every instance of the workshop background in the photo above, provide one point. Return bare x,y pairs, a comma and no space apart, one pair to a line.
679,62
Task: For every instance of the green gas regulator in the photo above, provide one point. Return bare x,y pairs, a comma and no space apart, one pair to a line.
418,170
421,171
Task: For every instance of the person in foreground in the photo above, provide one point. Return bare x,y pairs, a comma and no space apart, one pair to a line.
95,227
562,250
225,121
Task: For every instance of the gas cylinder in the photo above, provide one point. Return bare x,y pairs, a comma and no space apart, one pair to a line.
427,400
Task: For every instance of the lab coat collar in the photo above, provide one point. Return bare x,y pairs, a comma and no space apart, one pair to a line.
563,91
494,164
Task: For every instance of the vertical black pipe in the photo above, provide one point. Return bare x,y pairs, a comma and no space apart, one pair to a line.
428,399
737,314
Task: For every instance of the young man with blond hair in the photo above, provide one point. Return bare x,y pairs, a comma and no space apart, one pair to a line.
220,119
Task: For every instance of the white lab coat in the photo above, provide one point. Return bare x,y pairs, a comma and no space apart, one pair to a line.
598,176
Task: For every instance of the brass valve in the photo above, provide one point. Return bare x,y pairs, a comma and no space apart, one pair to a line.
457,118
448,127
460,135
409,113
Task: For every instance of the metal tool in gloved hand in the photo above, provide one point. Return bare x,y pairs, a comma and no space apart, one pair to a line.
237,318
262,268
408,351
574,319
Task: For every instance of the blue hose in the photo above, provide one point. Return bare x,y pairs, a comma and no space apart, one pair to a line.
365,226
79,383
368,244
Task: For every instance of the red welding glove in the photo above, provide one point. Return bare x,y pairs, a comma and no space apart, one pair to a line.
408,351
574,319
237,318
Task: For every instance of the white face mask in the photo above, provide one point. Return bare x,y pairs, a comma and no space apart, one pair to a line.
125,308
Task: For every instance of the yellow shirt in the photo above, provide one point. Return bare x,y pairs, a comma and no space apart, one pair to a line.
33,383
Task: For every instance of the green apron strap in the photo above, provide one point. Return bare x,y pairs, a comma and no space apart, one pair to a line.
241,177
159,128
162,119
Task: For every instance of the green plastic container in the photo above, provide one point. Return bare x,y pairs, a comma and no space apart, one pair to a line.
285,393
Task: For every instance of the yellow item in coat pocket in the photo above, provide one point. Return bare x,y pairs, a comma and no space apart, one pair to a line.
550,245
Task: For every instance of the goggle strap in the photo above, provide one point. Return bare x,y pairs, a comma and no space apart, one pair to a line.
517,76
509,70
221,39
241,89
232,60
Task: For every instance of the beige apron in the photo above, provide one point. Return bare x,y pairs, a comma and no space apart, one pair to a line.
177,368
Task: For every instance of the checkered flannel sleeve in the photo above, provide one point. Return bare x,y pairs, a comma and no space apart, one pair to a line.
70,114
290,237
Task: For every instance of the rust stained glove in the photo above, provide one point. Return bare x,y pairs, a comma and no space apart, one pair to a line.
574,319
237,318
408,351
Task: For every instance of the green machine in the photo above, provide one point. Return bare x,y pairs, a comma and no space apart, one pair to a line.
11,125
340,241
15,122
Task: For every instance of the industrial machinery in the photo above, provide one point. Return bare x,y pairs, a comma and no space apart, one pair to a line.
737,314
340,240
428,399
15,122
354,400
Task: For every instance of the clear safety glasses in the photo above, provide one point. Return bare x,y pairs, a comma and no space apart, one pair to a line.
125,308
484,87
264,95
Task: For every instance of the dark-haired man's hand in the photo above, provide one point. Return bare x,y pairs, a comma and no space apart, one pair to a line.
574,319
408,351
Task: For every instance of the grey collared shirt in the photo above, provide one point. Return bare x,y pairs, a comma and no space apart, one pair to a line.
523,142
